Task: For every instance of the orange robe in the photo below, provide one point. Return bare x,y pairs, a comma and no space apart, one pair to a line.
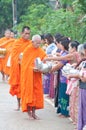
3,41
8,46
31,82
14,80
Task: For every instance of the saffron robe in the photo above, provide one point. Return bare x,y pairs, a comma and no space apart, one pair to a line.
31,82
14,81
3,41
8,46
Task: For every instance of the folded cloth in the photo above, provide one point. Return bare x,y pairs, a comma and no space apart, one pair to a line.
9,61
73,82
68,69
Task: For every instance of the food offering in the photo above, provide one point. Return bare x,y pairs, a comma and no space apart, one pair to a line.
2,52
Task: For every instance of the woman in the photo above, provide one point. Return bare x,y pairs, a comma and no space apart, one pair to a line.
48,80
63,98
82,90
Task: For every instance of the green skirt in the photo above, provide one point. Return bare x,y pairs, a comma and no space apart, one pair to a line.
63,100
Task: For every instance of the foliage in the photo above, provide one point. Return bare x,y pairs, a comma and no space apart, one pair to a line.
67,23
82,5
42,19
79,7
83,28
6,12
69,2
5,15
23,5
66,3
35,17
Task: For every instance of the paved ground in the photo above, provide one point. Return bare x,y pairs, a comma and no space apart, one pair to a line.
16,120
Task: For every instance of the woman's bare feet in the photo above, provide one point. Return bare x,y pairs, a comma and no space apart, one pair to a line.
75,128
63,116
74,123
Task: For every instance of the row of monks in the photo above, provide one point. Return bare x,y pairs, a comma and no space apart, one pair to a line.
10,67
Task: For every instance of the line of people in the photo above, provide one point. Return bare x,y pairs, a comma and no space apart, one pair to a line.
69,98
28,84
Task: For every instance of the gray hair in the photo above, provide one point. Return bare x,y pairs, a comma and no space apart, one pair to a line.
36,37
81,49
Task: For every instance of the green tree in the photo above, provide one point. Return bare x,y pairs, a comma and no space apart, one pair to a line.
66,3
5,15
65,23
82,4
42,20
6,12
23,5
35,17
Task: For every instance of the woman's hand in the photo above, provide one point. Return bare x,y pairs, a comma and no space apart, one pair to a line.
45,59
83,78
53,70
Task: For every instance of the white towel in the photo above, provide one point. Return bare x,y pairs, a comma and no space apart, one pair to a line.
8,61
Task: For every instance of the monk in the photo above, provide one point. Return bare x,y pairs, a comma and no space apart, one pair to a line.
15,69
12,34
9,45
31,79
6,36
3,41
